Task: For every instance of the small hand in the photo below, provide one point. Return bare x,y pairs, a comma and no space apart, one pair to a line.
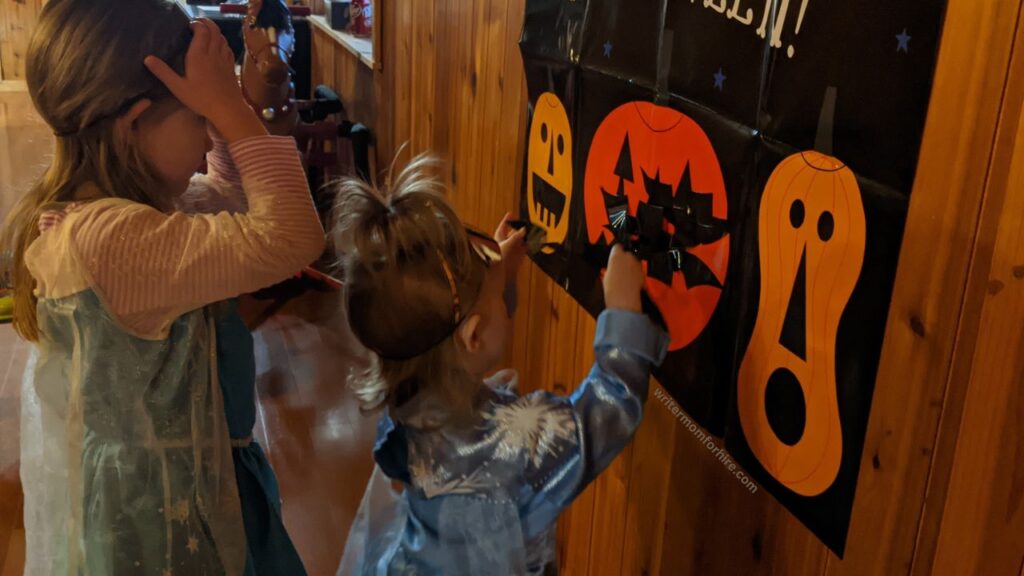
624,280
513,245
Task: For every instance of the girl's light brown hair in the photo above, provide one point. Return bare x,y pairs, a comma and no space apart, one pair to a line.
83,69
393,246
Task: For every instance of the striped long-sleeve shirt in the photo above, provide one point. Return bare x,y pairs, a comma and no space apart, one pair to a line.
249,224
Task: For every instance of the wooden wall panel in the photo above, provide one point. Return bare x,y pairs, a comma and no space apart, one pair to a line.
17,18
981,525
337,67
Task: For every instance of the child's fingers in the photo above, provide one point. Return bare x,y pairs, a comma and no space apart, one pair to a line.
503,229
217,39
200,36
164,73
513,238
227,54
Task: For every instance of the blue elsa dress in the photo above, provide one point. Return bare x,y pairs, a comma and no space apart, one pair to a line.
485,500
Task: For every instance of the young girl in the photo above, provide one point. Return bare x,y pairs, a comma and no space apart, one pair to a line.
126,462
485,473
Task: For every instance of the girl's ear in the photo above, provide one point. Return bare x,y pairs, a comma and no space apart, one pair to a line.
469,333
127,120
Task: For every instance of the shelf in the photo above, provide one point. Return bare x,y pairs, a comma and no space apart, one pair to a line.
361,48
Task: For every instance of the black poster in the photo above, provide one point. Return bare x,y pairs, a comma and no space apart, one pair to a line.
760,154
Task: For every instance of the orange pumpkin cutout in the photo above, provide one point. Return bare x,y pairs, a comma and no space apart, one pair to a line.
549,170
638,147
811,237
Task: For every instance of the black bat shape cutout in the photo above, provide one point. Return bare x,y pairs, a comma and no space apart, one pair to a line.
690,212
644,235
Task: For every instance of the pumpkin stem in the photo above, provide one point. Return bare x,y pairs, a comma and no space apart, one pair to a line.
823,143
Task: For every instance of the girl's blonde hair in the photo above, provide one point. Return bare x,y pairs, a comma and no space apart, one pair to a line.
394,248
84,69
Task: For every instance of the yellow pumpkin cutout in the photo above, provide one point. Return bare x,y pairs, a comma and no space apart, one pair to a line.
549,169
811,241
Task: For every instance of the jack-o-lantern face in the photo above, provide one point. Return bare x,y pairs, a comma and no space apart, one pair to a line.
549,169
811,236
658,157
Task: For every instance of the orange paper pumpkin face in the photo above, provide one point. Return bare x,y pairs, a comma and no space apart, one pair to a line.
652,154
549,169
811,240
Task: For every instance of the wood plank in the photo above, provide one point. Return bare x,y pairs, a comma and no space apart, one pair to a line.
951,423
322,59
386,29
401,71
512,113
463,100
445,35
378,21
361,48
354,82
467,151
17,20
423,76
492,45
982,522
649,485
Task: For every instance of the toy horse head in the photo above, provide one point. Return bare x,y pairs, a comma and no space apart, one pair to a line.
266,75
269,38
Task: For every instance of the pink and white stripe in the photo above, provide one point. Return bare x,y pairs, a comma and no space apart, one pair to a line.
150,267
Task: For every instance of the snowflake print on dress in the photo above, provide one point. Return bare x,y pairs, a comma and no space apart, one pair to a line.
532,426
435,480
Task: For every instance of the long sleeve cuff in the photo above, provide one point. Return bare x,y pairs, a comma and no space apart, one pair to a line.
633,333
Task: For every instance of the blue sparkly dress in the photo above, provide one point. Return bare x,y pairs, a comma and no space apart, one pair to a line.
485,500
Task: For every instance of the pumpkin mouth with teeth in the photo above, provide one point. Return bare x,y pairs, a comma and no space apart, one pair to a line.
549,202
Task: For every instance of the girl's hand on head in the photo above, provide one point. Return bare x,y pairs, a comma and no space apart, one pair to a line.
209,83
623,281
209,87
